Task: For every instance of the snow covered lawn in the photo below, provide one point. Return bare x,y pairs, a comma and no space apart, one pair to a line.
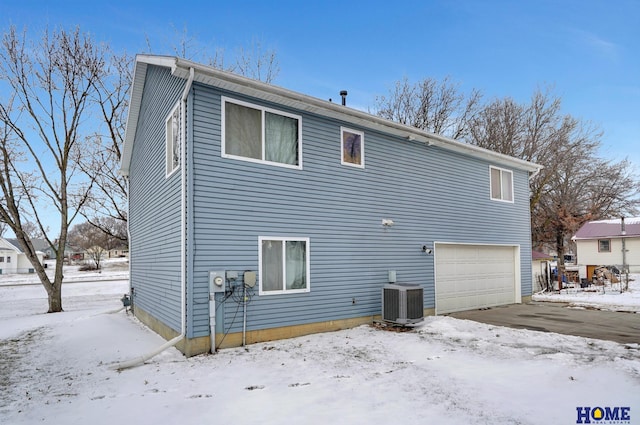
55,369
599,297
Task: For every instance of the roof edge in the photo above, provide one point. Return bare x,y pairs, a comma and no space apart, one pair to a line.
254,88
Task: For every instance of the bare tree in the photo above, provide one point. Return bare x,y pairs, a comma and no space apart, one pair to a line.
253,60
50,85
93,240
101,160
431,105
576,185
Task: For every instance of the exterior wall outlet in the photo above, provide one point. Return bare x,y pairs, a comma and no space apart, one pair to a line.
392,276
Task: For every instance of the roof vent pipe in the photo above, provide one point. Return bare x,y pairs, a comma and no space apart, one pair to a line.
622,228
343,93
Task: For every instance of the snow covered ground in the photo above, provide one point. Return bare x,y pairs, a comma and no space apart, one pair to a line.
601,297
55,369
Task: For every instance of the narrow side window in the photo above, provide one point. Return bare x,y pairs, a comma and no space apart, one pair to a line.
173,136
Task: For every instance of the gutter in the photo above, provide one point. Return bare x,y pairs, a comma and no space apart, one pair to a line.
535,173
183,240
183,68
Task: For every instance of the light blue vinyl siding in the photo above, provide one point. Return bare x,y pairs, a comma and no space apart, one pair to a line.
154,213
430,193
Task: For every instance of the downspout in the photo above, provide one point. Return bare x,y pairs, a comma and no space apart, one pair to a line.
623,239
126,179
535,173
183,239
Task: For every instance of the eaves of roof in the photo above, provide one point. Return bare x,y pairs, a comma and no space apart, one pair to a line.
607,229
270,93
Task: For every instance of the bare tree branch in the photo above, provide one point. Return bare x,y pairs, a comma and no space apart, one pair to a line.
52,83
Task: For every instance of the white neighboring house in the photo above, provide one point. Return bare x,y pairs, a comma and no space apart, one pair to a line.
600,243
13,260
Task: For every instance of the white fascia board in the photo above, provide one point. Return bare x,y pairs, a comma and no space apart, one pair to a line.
267,92
270,93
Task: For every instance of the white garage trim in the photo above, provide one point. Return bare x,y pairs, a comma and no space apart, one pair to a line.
475,275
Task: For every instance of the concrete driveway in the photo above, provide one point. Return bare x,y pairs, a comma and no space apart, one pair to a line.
556,317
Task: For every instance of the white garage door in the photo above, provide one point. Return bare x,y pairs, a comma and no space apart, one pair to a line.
475,276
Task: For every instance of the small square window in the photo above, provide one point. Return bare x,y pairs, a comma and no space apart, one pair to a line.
284,265
352,147
2,259
501,184
8,259
173,134
604,245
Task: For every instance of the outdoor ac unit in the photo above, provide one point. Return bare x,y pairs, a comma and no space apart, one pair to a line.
402,303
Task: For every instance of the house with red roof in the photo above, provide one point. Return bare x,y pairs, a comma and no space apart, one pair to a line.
609,243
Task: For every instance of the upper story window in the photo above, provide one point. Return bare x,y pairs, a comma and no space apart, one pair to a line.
173,134
604,245
255,133
501,184
284,265
352,147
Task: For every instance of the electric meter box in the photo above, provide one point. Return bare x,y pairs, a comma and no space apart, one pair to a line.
216,281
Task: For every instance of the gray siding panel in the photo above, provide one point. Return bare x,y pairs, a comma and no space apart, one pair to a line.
431,194
154,213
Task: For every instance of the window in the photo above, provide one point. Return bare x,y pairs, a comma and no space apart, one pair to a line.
501,184
2,259
8,259
352,147
284,265
173,134
604,245
254,133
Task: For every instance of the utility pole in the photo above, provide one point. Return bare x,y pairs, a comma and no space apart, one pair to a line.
625,267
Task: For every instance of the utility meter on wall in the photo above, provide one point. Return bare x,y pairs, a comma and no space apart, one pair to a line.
216,281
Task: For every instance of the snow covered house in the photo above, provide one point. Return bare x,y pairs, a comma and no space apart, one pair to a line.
258,213
613,242
13,260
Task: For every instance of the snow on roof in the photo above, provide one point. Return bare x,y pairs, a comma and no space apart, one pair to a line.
627,220
609,228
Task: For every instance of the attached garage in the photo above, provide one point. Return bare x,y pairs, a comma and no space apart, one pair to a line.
469,276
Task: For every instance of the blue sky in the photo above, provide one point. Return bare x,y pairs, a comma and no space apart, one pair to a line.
588,50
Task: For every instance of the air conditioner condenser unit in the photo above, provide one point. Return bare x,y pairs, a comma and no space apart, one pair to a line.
402,303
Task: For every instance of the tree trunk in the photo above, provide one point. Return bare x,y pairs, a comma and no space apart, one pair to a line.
54,293
560,263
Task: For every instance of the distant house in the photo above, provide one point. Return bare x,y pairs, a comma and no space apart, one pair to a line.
309,206
541,270
119,252
73,253
13,260
600,243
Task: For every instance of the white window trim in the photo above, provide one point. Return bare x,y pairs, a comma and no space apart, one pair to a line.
307,263
502,170
169,142
350,130
262,110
